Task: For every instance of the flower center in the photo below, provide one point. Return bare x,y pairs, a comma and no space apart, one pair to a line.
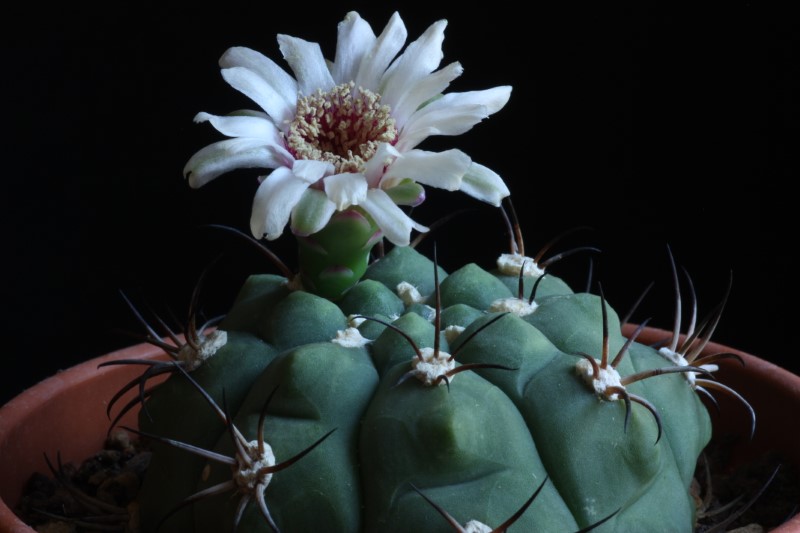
343,127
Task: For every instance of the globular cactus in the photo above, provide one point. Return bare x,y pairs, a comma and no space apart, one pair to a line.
477,441
389,395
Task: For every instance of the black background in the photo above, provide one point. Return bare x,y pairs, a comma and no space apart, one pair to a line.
650,124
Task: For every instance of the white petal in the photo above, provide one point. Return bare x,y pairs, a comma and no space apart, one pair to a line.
354,39
230,154
275,198
484,184
423,90
311,213
308,64
444,170
243,126
440,122
452,114
375,62
494,99
310,170
375,167
252,85
346,189
419,59
394,223
278,79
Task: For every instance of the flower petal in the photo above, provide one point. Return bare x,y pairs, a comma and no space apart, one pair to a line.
346,189
308,64
493,99
354,39
423,90
243,126
419,59
394,223
277,79
444,170
452,114
223,156
484,184
276,197
375,167
311,213
386,46
310,170
255,87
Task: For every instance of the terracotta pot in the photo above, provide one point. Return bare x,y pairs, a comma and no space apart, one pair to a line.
66,414
770,390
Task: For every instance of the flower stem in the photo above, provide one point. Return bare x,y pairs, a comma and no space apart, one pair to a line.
334,259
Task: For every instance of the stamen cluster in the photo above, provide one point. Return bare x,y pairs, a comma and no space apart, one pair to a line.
343,126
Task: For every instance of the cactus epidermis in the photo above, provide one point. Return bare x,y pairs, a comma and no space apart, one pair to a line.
478,447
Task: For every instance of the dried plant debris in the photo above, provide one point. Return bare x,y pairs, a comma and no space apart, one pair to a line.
98,495
757,496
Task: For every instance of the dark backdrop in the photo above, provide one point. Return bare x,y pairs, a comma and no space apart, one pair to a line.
652,125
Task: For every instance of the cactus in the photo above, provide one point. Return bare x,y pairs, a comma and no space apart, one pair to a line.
377,392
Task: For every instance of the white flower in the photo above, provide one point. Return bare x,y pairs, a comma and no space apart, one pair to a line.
344,133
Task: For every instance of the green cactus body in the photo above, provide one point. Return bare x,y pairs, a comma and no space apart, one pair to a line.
478,446
471,285
322,491
404,264
687,434
180,412
468,448
549,286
